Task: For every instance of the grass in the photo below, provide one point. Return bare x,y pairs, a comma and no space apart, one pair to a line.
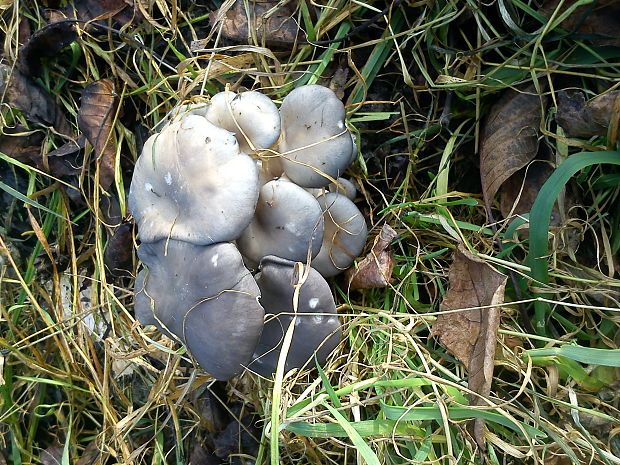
78,374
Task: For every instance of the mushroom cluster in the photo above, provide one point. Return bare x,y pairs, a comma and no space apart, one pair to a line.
235,185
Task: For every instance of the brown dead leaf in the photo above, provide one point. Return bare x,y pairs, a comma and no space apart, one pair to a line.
522,188
45,43
95,117
376,268
90,11
598,22
509,140
21,93
91,454
278,28
579,118
52,455
118,256
471,335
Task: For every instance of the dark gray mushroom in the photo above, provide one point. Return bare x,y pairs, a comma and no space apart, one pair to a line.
344,237
288,223
317,328
316,147
192,183
204,297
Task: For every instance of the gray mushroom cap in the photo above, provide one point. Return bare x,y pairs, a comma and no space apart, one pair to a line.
192,183
315,139
344,237
288,222
252,116
343,186
316,328
204,297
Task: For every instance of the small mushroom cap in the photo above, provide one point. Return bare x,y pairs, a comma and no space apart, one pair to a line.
344,237
344,187
202,296
252,116
316,329
191,183
315,139
288,222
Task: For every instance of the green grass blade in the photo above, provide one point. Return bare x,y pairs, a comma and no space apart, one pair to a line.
19,196
364,449
364,428
587,355
454,413
540,217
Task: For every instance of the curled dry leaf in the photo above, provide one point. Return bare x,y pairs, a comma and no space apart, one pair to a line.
376,268
21,93
579,118
509,139
45,43
598,22
276,28
519,192
118,257
471,335
95,117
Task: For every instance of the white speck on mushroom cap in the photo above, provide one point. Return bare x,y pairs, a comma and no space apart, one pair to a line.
312,303
189,161
288,221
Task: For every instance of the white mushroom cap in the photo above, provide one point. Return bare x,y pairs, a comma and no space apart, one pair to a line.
315,139
345,234
344,187
192,183
288,222
252,116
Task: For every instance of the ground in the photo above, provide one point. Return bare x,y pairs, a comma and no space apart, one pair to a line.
487,139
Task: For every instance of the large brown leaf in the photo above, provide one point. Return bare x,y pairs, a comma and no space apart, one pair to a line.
471,335
579,118
21,93
509,139
95,118
45,43
279,28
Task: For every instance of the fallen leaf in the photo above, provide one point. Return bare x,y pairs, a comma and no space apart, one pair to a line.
91,454
240,436
597,22
45,43
21,144
52,455
118,257
522,189
278,29
471,335
21,93
200,456
376,268
509,140
89,11
579,118
95,117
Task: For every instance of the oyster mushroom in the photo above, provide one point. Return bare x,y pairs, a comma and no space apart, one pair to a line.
344,237
288,223
317,328
252,116
316,147
204,297
192,183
